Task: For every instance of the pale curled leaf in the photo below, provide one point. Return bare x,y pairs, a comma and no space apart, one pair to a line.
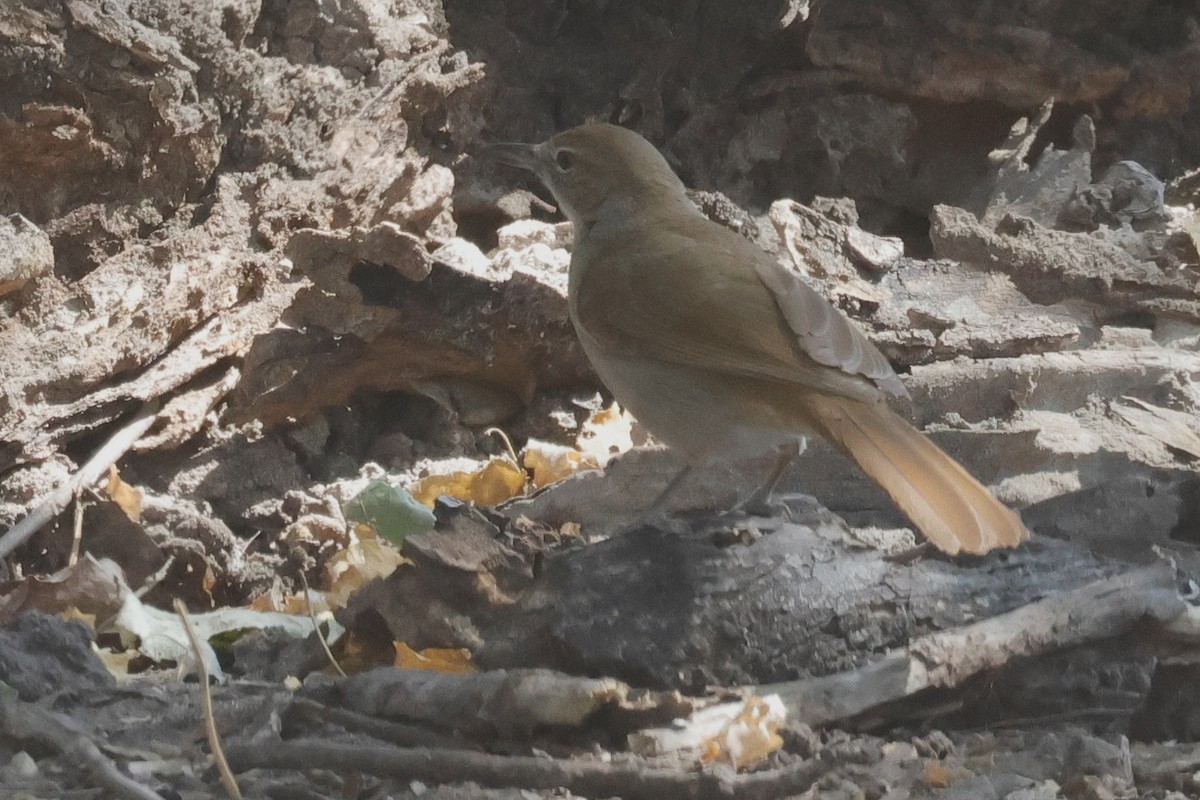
749,737
738,733
368,557
606,433
160,635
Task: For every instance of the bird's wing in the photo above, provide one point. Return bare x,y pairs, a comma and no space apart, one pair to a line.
699,294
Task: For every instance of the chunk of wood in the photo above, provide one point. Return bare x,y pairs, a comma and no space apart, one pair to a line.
1098,610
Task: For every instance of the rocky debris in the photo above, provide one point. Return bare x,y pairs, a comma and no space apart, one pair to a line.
273,226
29,253
41,655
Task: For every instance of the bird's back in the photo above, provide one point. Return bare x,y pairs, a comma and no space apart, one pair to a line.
683,289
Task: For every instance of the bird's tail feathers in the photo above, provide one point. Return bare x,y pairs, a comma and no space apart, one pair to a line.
955,511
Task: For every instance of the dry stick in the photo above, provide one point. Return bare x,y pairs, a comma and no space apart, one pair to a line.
155,579
1097,610
85,476
398,733
20,720
317,626
210,723
633,781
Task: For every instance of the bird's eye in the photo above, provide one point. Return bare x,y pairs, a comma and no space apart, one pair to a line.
565,159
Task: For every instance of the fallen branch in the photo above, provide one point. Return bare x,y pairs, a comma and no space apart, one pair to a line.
504,701
1098,610
632,781
21,720
117,445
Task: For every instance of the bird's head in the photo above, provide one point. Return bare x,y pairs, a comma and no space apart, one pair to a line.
597,168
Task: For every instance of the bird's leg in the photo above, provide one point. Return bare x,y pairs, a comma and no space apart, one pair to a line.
759,503
658,514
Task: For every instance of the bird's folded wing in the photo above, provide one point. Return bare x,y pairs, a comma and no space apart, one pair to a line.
711,299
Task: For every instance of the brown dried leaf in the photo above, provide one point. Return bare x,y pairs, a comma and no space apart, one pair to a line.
357,653
456,660
936,775
90,586
129,498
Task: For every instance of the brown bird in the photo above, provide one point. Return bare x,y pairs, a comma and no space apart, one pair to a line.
721,352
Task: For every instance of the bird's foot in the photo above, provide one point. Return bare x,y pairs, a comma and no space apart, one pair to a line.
781,508
771,511
661,519
755,506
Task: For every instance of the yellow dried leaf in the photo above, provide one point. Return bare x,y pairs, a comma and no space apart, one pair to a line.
456,660
495,482
129,498
499,480
749,737
551,462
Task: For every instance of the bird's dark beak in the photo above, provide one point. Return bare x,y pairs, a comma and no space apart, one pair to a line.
515,155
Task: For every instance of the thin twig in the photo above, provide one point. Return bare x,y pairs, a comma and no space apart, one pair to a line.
210,722
317,626
77,532
155,579
633,780
117,445
508,445
21,720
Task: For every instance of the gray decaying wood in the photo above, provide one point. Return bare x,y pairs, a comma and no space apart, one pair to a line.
585,778
505,702
750,602
1099,610
522,701
310,712
28,721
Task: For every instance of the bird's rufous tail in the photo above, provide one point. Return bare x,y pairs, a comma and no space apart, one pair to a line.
955,511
